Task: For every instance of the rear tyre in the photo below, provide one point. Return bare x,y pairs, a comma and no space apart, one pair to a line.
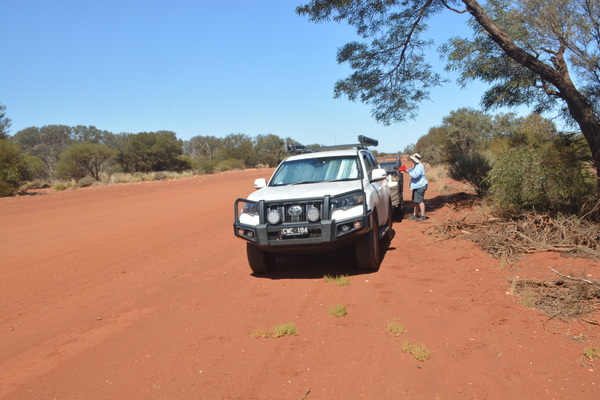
389,235
260,261
367,248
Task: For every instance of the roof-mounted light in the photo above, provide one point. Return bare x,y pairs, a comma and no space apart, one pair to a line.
367,141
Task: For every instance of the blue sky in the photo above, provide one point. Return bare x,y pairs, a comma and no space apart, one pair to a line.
203,67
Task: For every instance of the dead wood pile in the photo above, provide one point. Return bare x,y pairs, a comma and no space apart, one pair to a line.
565,298
508,239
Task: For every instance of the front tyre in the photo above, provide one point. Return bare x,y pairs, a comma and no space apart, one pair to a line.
367,249
260,261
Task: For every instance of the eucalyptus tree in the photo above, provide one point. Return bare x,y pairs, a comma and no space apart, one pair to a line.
46,143
540,53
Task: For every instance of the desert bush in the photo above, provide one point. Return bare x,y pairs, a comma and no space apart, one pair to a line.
541,179
472,168
86,181
13,168
230,164
207,166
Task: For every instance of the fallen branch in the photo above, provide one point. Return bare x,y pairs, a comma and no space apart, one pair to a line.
574,278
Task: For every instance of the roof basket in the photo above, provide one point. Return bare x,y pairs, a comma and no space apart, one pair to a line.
363,143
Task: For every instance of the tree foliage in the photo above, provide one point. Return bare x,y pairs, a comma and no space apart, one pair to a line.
84,159
538,53
46,143
4,122
240,146
150,151
13,168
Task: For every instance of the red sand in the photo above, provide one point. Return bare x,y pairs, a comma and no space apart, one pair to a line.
141,291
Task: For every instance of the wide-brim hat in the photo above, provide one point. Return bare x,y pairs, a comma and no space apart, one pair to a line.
416,158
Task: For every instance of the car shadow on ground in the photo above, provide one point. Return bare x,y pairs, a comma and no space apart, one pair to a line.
437,202
342,262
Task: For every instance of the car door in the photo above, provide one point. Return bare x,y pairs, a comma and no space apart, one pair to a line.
379,190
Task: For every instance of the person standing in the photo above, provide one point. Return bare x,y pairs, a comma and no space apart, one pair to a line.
418,184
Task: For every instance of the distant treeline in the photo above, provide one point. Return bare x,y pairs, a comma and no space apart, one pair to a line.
56,152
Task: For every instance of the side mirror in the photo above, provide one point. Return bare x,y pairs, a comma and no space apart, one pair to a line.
378,174
260,183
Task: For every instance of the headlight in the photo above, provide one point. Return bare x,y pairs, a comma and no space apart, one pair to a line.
348,202
250,209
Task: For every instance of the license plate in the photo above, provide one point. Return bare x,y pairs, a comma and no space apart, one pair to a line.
297,230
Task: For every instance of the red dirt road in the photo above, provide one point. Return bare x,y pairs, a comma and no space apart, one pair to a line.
141,291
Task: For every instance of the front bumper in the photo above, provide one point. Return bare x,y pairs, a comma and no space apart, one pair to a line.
326,234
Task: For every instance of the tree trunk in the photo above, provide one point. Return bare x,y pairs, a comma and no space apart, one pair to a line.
579,107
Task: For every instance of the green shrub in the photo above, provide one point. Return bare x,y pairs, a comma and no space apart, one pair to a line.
86,181
206,166
472,168
541,179
13,168
230,164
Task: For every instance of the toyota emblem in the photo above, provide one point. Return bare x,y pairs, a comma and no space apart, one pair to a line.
294,211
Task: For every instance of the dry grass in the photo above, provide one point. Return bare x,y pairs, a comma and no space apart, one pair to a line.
338,310
418,350
395,328
288,329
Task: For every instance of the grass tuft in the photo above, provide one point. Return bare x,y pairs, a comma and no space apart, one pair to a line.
395,328
340,280
592,352
288,329
418,351
338,310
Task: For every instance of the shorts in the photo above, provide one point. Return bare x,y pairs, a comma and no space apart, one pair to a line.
418,195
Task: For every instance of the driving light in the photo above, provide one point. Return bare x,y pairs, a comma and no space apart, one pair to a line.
313,214
273,217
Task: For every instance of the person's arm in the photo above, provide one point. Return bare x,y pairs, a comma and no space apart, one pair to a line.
417,171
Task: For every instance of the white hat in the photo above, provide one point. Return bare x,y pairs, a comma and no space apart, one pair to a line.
416,158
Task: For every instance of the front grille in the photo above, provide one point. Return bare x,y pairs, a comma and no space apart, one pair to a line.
295,212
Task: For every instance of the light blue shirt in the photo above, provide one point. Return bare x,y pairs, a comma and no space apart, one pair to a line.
417,176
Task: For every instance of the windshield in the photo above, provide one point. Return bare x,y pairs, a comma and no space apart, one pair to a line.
312,170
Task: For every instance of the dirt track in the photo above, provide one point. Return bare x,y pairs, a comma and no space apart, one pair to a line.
141,291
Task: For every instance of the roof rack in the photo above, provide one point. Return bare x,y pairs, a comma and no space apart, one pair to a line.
363,143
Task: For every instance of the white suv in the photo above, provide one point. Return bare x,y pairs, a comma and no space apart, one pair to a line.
319,200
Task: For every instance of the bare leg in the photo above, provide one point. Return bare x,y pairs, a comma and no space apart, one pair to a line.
416,210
